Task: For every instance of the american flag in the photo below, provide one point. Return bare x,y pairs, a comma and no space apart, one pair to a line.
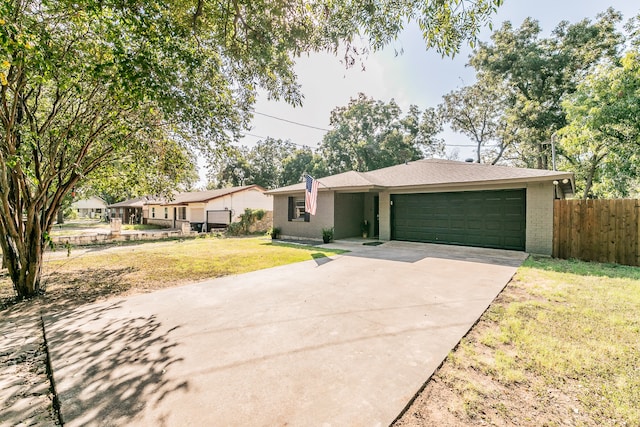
311,195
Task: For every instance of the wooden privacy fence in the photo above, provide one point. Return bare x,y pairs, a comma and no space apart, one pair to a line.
597,230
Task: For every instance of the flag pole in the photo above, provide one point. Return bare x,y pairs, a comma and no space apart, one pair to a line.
319,182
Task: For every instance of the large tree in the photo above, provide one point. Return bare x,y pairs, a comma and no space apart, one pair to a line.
369,134
86,83
271,163
539,73
478,111
602,136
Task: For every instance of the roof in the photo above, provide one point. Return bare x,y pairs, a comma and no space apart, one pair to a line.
184,198
206,196
434,172
138,202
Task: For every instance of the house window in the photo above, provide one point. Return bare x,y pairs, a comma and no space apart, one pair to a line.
153,212
166,213
182,213
296,210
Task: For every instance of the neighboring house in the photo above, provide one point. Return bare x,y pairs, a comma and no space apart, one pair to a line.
92,207
130,211
434,201
213,208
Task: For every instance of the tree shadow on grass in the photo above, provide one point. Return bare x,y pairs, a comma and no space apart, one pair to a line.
583,268
110,365
77,287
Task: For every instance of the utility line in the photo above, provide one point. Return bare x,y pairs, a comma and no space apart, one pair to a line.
291,121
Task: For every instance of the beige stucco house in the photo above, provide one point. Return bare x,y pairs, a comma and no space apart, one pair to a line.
435,201
213,208
91,207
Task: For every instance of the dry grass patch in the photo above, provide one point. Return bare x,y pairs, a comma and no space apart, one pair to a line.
558,347
102,271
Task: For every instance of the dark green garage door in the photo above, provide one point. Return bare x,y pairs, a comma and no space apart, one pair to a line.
491,219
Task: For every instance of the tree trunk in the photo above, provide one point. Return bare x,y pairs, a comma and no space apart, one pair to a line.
22,242
60,216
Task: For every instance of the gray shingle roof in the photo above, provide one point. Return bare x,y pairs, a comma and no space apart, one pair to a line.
205,196
432,172
183,198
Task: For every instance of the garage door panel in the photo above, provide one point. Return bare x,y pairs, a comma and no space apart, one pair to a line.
483,218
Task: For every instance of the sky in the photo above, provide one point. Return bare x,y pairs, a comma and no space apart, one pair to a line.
416,76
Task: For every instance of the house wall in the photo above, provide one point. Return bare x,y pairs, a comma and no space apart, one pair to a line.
90,203
238,202
159,218
348,214
195,212
93,207
385,215
323,218
539,232
369,214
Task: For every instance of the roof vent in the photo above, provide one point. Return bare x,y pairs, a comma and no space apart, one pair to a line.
468,160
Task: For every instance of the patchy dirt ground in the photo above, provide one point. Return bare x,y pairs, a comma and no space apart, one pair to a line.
462,393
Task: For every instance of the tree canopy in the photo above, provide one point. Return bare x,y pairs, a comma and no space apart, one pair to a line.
368,134
602,136
538,73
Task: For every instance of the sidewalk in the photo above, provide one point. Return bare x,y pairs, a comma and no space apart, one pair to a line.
24,386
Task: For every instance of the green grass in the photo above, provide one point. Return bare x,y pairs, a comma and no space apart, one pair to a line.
100,271
192,259
570,326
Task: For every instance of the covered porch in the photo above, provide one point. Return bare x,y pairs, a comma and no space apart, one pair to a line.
356,215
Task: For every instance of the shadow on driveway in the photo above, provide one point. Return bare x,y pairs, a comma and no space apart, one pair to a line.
341,340
106,366
412,252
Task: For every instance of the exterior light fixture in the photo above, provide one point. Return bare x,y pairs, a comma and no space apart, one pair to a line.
555,182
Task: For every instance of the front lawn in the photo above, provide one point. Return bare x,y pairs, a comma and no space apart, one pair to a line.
102,271
560,346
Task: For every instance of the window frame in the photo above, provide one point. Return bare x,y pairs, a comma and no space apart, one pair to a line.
296,208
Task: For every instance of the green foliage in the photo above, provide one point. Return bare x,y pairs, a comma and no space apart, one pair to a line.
538,73
478,111
274,232
271,163
327,234
235,229
247,219
370,135
602,136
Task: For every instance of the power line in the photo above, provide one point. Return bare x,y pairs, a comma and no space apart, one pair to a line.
291,121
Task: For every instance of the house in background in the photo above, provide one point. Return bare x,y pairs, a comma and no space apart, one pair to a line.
92,207
129,211
204,210
432,201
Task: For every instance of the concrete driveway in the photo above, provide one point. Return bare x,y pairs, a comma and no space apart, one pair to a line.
343,341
